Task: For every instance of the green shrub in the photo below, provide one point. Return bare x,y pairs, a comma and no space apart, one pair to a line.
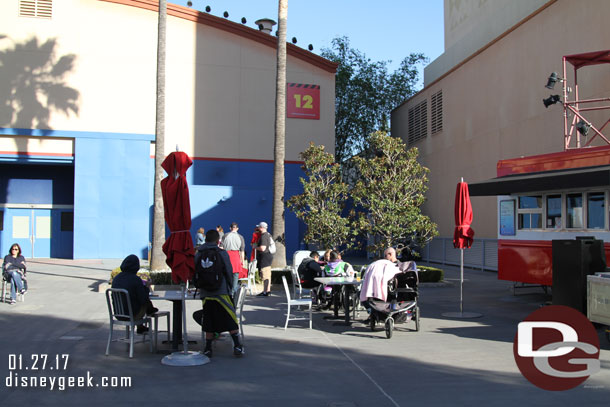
430,274
144,274
426,274
161,277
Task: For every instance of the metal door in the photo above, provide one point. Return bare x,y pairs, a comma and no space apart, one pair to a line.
31,229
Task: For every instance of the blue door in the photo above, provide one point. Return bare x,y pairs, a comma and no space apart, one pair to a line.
31,229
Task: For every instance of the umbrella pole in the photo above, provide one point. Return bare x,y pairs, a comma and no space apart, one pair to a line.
461,280
185,358
185,342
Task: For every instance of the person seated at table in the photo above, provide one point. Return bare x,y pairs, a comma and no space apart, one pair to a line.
336,267
326,257
308,270
218,310
138,290
376,278
390,254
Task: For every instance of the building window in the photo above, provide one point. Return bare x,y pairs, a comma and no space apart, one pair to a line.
418,122
595,210
574,211
36,8
530,212
67,221
436,112
553,211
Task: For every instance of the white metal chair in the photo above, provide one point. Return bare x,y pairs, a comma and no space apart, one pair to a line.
120,313
241,298
251,284
297,259
5,291
295,303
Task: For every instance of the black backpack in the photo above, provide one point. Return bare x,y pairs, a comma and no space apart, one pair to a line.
209,270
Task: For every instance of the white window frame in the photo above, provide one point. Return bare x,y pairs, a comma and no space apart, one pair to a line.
523,211
564,210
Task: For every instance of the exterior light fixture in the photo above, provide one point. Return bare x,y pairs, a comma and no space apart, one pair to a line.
208,9
226,14
294,40
189,3
553,79
243,20
551,100
310,47
583,128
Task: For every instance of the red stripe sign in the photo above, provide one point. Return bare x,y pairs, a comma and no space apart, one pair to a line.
302,101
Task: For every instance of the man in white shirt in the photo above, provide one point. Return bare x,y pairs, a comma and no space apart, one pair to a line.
235,246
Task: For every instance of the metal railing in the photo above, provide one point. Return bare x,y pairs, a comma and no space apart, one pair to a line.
482,255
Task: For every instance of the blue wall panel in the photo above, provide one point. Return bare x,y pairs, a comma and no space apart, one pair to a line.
111,198
240,191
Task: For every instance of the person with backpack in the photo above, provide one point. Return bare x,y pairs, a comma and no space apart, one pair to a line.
264,257
214,277
308,270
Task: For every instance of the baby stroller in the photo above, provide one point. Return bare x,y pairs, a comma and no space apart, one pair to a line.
401,305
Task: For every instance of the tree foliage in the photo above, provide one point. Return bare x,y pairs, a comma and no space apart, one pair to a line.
389,190
322,202
365,94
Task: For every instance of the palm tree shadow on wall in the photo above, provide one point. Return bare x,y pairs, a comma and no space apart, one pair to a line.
33,83
33,86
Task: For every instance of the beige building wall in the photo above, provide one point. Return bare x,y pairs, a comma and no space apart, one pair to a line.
492,101
220,86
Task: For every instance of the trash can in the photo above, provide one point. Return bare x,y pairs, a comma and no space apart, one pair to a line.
573,261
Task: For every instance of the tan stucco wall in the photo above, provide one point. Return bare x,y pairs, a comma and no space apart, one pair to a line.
471,24
220,87
492,105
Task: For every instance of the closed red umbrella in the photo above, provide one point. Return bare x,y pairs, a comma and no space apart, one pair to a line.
178,249
179,246
463,235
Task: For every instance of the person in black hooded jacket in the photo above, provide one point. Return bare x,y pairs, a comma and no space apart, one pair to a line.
138,291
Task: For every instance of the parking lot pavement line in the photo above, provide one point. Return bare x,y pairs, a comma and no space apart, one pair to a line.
361,369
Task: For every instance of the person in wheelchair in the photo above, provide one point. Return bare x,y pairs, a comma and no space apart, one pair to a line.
308,270
335,267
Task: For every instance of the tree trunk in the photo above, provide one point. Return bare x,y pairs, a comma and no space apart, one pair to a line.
157,262
279,227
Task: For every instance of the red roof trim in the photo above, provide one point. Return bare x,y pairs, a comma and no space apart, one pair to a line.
585,157
232,27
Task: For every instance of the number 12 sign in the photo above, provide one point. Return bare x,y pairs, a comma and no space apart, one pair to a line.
302,101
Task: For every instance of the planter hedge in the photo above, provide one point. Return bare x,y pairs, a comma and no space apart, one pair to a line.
430,274
426,274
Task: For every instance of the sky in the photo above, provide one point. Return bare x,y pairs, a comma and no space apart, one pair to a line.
384,30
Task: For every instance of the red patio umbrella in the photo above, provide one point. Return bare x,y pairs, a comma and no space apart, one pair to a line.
179,246
463,236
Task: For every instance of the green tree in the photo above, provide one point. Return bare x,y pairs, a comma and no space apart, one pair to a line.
389,191
322,202
365,94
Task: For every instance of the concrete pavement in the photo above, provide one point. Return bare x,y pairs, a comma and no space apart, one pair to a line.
449,361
